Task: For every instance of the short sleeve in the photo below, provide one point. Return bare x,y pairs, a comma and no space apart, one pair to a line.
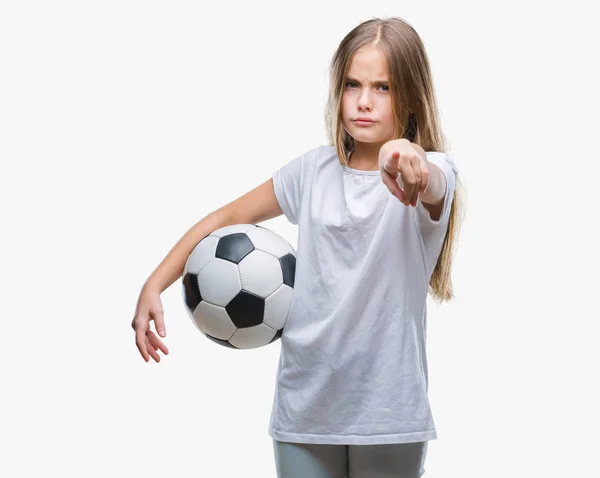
450,170
288,182
434,232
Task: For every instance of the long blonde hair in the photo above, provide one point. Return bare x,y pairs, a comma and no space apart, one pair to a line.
415,112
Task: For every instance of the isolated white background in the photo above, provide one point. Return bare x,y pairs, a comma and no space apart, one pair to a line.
123,123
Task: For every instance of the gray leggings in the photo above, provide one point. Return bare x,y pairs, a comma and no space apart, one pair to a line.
303,460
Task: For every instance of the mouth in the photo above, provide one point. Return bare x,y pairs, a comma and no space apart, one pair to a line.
359,122
364,120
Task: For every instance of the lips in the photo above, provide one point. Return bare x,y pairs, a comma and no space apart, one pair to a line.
369,120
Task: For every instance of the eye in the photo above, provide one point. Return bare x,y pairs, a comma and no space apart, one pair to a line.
351,84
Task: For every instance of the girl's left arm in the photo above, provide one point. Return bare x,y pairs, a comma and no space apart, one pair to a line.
433,197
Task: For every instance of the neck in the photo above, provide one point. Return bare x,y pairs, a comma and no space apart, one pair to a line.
365,156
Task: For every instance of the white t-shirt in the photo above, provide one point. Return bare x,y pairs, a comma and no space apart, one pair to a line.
353,366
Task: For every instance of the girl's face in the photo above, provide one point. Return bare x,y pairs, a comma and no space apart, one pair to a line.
367,94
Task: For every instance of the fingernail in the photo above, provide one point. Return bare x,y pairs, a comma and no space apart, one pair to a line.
161,332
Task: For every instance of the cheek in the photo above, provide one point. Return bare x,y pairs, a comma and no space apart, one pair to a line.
345,104
346,110
389,121
389,114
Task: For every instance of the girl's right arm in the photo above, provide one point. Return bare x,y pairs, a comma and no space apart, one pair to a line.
257,205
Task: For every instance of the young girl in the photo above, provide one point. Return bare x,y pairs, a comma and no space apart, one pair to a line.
377,211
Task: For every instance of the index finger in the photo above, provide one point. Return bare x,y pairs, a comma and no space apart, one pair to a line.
140,341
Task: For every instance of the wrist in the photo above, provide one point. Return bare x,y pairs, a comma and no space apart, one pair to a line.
151,286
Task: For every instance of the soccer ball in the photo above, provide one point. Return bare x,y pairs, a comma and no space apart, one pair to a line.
237,285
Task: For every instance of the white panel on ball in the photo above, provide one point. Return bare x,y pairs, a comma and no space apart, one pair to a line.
265,240
213,320
260,273
292,250
277,307
219,282
202,255
232,229
252,337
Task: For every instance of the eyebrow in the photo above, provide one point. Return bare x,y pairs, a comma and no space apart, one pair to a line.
376,82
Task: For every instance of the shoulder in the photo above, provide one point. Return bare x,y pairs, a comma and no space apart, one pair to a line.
317,157
316,154
304,164
325,156
323,153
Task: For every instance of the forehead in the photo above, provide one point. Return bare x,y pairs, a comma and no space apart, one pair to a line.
368,62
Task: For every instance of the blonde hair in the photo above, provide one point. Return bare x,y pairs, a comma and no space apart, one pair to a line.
415,112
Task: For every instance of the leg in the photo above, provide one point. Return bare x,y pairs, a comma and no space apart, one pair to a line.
304,460
395,460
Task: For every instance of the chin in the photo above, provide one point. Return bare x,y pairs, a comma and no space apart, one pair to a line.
365,137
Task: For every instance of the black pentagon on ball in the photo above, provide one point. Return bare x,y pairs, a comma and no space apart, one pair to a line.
288,268
234,247
221,342
246,310
277,335
191,292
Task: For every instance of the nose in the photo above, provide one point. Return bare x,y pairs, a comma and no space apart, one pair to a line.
364,100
